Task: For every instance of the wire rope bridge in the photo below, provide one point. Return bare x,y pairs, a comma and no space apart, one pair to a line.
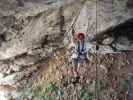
88,29
78,43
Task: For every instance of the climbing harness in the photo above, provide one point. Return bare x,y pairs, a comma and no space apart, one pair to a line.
81,49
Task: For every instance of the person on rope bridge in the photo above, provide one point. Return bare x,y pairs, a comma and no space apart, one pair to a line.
79,52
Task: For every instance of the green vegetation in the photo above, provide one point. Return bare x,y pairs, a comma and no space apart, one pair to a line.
84,95
51,92
101,84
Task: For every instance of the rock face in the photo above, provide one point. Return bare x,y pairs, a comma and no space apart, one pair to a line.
27,27
31,30
114,20
104,20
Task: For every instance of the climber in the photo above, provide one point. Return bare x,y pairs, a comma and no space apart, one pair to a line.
81,48
79,53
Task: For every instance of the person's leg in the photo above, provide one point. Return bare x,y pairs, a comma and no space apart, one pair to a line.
75,67
81,69
86,60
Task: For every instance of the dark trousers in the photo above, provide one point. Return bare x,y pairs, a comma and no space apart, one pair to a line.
80,60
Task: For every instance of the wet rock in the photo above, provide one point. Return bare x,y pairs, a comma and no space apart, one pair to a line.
108,41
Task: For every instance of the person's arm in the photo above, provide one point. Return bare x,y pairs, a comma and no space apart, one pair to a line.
71,45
